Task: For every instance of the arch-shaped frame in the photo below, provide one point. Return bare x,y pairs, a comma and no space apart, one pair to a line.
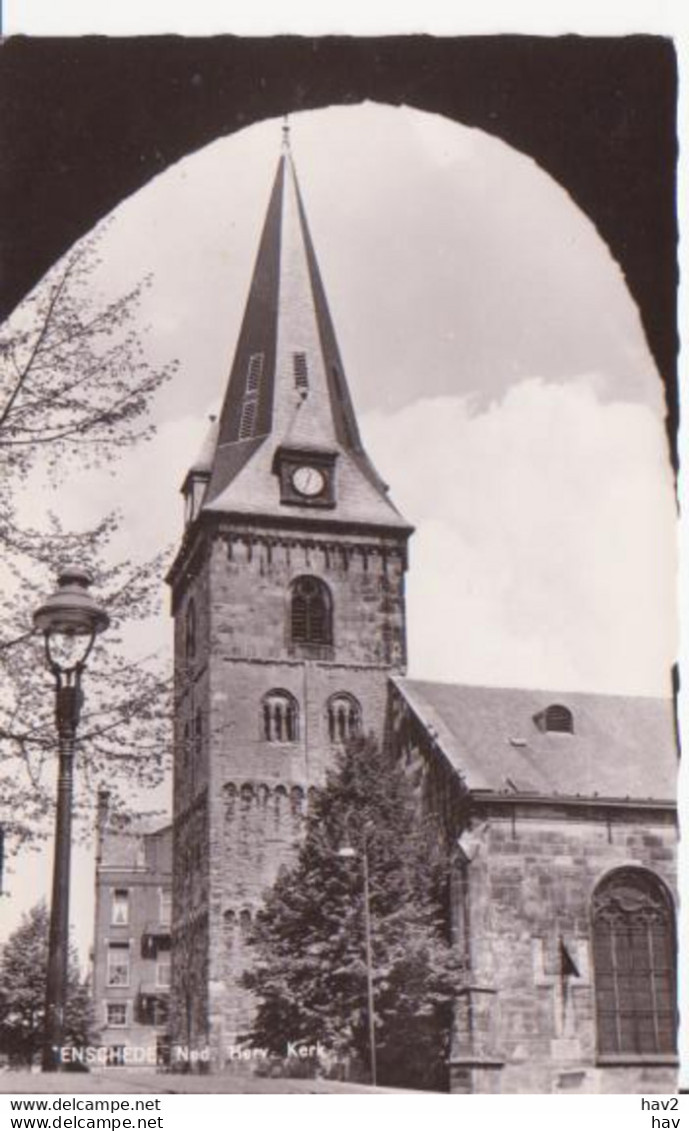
310,612
631,139
344,717
279,716
633,936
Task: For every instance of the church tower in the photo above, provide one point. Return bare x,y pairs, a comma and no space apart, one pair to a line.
288,601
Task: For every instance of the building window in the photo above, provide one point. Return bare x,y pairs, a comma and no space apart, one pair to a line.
190,631
301,372
280,717
116,1014
165,907
118,964
119,913
634,965
311,612
163,969
247,420
253,373
559,718
198,733
344,717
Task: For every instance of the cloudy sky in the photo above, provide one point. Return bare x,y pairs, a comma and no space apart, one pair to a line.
498,367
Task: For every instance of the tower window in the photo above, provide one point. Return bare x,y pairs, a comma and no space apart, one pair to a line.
301,372
311,612
190,631
634,965
280,717
248,420
254,373
344,717
198,733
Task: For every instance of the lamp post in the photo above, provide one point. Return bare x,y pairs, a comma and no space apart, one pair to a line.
70,619
348,853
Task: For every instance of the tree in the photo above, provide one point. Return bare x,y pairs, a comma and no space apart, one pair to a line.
75,391
23,975
309,969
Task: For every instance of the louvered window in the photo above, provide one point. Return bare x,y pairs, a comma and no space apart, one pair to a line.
311,612
344,717
254,373
280,717
247,422
634,965
301,372
559,718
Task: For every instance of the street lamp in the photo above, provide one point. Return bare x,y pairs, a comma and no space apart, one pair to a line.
349,853
70,620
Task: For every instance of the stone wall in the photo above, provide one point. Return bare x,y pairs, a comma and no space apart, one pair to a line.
254,791
523,914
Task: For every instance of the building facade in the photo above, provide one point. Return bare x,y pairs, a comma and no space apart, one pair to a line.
132,957
288,599
560,823
557,812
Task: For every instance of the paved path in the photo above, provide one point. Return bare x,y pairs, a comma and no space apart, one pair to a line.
116,1082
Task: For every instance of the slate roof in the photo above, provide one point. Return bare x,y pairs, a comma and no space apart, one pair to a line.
287,314
622,746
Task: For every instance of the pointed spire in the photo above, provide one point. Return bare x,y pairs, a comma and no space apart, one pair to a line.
287,385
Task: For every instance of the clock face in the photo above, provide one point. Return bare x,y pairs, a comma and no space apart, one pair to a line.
308,481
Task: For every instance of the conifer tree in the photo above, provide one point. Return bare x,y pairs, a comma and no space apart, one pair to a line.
308,943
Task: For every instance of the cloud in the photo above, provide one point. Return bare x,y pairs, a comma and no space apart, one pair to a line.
545,548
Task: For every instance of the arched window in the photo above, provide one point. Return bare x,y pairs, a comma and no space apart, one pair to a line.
344,717
311,613
190,631
280,717
634,965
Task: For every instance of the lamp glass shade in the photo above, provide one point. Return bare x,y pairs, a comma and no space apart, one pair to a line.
71,610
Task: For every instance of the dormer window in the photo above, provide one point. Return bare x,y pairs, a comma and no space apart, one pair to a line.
556,719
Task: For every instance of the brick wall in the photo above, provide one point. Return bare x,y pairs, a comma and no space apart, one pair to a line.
140,866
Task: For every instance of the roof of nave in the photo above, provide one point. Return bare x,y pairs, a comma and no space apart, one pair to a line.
621,746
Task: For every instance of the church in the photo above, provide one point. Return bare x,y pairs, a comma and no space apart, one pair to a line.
558,810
